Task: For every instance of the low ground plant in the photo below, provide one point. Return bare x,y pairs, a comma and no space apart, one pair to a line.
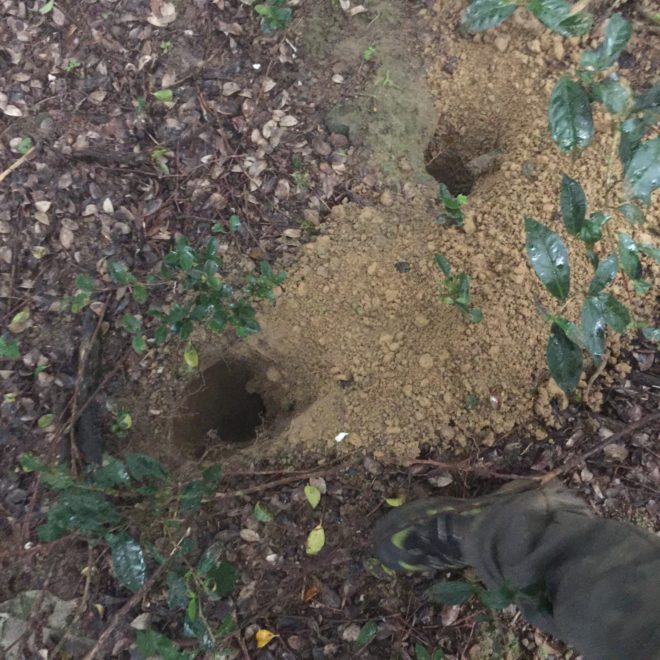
455,290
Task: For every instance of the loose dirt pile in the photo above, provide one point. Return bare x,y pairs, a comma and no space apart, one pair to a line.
359,329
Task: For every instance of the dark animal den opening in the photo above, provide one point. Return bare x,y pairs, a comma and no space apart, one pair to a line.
445,164
219,409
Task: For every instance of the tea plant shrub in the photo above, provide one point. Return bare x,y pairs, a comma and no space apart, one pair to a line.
570,121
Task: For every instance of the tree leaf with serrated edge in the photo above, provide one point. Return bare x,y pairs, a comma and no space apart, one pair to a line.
593,327
632,131
177,591
261,513
313,495
629,256
569,115
366,634
455,592
648,99
575,25
128,563
573,204
613,95
119,273
131,323
548,257
632,213
85,282
497,599
142,467
9,349
190,356
569,328
443,264
222,579
556,14
617,35
315,540
605,273
642,176
650,251
485,14
564,359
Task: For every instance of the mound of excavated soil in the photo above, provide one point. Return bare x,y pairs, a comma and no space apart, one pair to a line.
359,331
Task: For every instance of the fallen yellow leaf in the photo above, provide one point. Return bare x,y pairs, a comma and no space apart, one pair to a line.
264,637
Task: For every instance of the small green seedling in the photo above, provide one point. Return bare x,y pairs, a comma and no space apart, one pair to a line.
275,15
122,422
369,52
452,213
72,64
25,145
159,157
455,290
165,46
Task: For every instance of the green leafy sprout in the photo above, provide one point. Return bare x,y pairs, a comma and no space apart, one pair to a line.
452,213
455,290
275,15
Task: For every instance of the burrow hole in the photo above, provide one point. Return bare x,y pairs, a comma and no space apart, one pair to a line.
221,409
448,153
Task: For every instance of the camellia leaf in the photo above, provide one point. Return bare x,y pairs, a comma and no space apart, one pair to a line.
569,115
139,293
617,35
642,175
421,653
629,256
616,314
632,132
190,356
366,634
650,251
313,495
605,273
485,14
593,327
632,213
9,349
573,204
164,95
142,467
315,540
455,592
131,323
549,258
139,344
443,264
261,513
593,227
263,637
556,14
128,563
613,95
222,579
564,359
651,333
648,100
497,599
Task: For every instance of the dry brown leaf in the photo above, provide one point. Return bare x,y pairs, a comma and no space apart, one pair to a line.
43,205
167,15
12,111
288,120
230,88
66,237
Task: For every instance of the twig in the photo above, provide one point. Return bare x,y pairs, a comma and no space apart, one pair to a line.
16,164
133,600
596,374
576,460
463,466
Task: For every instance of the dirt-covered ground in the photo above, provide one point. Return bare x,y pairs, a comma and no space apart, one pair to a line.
328,157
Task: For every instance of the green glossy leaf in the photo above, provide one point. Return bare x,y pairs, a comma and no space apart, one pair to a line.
613,95
313,495
548,257
485,14
139,344
153,644
650,251
177,591
573,204
575,25
569,328
112,474
222,579
191,496
629,256
261,513
421,653
648,99
455,592
85,282
642,175
569,115
497,599
605,273
367,634
9,349
24,145
652,334
556,14
593,227
47,7
564,361
128,563
119,272
617,35
131,323
139,293
45,421
616,314
633,214
234,223
164,95
632,132
142,467
593,327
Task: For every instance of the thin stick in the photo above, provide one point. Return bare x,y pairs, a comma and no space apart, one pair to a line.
133,600
16,164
